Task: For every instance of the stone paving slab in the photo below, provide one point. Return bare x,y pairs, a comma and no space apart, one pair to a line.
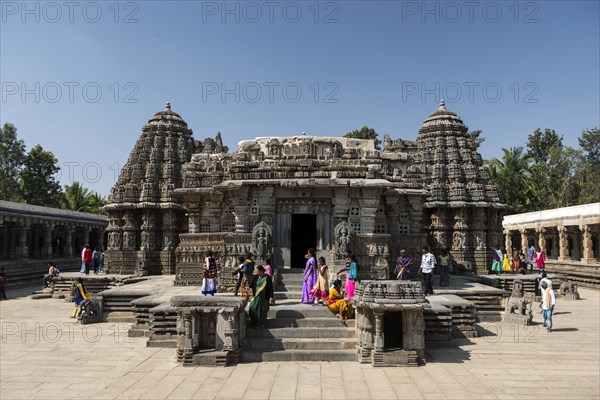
44,354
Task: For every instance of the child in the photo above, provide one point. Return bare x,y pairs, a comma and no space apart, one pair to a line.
321,289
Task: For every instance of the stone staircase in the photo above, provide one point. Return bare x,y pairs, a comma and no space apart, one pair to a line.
299,332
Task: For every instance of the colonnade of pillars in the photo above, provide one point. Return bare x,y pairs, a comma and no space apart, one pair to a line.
40,239
560,242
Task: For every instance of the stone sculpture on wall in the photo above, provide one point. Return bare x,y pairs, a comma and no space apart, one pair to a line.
262,241
343,239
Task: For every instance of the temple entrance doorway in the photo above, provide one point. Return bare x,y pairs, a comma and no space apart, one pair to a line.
304,236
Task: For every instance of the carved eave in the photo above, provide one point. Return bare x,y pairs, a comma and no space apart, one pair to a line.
145,205
369,183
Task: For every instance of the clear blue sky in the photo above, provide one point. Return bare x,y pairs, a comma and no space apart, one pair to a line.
237,67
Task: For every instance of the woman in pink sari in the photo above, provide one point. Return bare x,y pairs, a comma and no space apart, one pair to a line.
310,277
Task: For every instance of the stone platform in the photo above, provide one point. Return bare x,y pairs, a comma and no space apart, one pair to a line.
61,359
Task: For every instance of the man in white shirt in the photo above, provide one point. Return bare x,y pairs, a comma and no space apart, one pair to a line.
547,305
428,262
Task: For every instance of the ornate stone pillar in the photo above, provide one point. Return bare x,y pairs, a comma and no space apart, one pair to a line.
47,241
588,251
341,205
379,338
563,244
508,240
100,238
541,238
22,250
416,213
68,241
12,242
524,240
86,235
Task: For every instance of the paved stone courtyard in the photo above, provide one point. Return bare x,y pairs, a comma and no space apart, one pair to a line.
46,355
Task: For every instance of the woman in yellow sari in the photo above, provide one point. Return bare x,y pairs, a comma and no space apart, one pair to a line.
336,303
506,267
259,305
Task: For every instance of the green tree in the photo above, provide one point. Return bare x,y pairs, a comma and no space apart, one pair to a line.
38,182
96,202
365,133
78,198
476,138
539,144
553,172
511,177
588,174
589,141
75,197
12,156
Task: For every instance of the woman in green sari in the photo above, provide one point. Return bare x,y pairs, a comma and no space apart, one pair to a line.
259,306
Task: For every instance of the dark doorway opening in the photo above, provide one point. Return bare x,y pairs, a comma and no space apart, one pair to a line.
304,236
392,329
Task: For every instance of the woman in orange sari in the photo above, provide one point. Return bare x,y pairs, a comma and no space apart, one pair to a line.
336,303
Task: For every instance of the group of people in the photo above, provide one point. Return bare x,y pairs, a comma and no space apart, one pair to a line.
518,260
445,266
91,258
316,289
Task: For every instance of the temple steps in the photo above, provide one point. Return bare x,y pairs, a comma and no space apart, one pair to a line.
299,355
260,344
299,332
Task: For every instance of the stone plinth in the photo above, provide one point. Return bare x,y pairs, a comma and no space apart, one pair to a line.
210,330
390,323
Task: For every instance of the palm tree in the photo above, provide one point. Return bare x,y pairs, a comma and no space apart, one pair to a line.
76,197
95,203
513,178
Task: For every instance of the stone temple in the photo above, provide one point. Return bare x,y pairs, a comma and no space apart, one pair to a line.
177,198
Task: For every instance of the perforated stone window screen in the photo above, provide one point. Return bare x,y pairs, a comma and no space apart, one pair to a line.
381,228
254,211
204,228
354,211
228,226
355,227
403,228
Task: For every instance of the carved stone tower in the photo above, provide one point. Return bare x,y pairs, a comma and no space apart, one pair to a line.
463,210
144,218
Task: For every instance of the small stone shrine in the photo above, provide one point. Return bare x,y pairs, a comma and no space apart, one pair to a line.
389,322
210,330
177,198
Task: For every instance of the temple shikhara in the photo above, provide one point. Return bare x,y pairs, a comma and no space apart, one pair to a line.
178,197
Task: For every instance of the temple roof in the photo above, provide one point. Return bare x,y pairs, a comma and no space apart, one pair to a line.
168,119
443,119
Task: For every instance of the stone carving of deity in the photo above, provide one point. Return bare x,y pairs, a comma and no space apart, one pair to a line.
129,241
343,238
261,238
459,240
145,245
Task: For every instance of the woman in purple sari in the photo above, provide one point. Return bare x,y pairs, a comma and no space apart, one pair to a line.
310,277
402,272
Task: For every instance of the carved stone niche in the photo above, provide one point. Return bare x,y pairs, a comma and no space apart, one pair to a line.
390,323
343,239
210,331
262,241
